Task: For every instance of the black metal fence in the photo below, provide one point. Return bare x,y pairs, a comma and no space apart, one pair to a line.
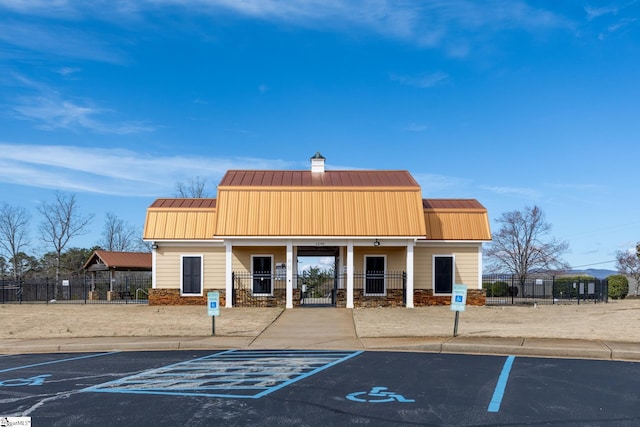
259,290
269,290
80,290
504,289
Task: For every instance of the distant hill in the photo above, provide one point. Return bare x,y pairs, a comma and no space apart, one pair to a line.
598,273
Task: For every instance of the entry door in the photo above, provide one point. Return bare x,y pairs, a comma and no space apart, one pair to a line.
262,275
374,270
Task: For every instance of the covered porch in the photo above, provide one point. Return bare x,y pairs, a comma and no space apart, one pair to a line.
365,273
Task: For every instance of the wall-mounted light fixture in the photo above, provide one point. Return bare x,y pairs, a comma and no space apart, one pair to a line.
154,245
376,242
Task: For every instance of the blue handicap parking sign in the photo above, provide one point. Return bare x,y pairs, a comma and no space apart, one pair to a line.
458,298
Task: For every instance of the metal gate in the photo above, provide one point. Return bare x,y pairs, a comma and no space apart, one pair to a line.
317,292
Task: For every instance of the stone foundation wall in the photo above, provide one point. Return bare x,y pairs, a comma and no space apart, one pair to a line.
172,297
393,298
421,298
425,297
245,298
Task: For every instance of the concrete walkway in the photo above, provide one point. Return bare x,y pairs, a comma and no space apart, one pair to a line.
317,328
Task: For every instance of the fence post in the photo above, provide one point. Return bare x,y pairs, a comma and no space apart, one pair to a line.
233,289
404,288
512,290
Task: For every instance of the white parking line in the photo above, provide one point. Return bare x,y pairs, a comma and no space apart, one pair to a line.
231,374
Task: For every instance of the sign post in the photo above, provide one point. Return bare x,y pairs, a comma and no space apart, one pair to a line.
213,308
458,303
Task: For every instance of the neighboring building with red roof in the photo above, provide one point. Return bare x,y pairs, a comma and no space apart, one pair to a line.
115,264
390,247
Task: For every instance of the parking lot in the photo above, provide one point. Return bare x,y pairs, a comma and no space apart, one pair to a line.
284,387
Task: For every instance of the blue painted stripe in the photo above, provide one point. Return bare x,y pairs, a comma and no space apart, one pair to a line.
308,374
58,361
498,394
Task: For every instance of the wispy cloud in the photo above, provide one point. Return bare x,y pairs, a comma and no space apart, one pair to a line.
414,127
423,81
112,171
528,193
437,23
60,41
52,111
596,12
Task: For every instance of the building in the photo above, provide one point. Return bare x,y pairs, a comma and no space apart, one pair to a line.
390,246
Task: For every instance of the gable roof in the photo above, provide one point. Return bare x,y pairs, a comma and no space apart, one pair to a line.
181,218
305,203
456,219
331,203
108,260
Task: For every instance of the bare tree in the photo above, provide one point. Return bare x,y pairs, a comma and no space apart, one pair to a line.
61,222
14,230
194,188
628,263
120,236
522,245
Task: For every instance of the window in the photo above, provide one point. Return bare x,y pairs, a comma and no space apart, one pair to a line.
374,275
443,274
191,275
261,269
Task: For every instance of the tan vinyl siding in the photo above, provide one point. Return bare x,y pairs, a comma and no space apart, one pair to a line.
168,266
396,257
466,265
242,256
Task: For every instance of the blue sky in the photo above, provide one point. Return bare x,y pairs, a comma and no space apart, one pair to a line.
511,102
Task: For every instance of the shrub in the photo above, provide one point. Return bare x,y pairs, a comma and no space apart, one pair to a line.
496,289
563,286
618,286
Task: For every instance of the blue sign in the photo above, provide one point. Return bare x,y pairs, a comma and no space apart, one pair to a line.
458,297
213,303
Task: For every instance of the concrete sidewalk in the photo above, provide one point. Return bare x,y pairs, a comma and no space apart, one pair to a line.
334,329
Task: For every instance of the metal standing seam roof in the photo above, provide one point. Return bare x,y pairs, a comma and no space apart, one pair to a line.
329,179
456,219
330,203
120,260
181,219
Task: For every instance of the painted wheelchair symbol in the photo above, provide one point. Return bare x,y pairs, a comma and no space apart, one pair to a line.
377,395
17,382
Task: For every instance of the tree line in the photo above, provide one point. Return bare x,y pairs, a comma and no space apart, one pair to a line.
58,222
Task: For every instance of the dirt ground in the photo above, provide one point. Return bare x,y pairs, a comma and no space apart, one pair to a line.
616,320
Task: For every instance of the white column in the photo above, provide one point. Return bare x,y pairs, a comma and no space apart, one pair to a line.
229,274
410,274
350,274
154,269
480,266
289,303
